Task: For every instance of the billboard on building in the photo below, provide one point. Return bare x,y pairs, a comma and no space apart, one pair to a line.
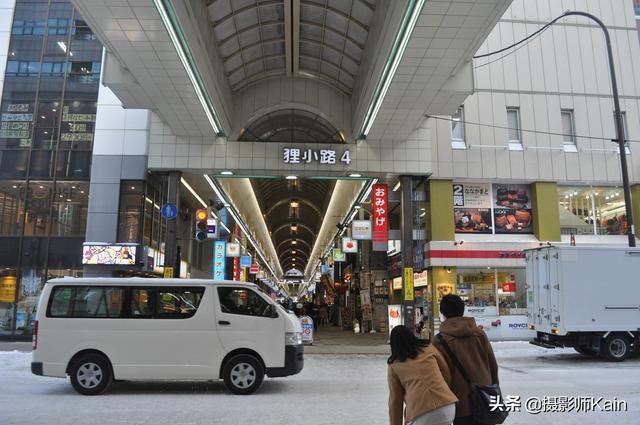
109,254
512,210
472,207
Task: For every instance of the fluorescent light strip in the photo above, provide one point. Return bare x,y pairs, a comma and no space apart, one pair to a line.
241,223
167,14
193,192
397,51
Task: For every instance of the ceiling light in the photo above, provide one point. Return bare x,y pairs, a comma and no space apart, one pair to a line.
293,251
226,173
294,242
411,15
291,177
294,203
82,191
397,186
355,175
62,46
294,227
15,187
41,187
43,117
68,200
133,188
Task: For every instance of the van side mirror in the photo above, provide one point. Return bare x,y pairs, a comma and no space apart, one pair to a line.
271,312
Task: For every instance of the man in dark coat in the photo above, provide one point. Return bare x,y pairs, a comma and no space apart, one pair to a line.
471,346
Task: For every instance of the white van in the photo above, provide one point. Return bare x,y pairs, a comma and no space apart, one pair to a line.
97,330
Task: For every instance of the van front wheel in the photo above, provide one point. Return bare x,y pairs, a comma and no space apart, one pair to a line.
90,374
243,374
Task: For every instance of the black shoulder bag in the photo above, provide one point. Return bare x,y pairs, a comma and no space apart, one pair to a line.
480,395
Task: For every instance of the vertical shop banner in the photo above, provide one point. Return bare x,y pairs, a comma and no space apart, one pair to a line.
380,213
512,208
219,260
408,283
472,207
236,268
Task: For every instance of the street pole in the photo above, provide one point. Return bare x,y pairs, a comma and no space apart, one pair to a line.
406,225
619,124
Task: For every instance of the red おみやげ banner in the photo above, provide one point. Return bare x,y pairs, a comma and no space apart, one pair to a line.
380,213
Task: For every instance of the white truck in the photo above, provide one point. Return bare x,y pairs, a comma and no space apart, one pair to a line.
587,298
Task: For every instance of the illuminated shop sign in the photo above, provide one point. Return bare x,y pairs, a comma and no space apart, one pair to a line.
321,156
380,213
219,260
109,255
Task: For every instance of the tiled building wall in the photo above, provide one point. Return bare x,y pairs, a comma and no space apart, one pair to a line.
565,68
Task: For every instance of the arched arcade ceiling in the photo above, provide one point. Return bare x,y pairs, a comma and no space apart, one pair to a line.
287,224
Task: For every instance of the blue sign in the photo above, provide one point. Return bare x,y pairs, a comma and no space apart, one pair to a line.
169,211
245,261
219,260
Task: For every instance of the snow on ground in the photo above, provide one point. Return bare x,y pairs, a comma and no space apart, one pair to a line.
332,389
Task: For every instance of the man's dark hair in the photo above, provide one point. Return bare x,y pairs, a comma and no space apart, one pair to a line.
451,306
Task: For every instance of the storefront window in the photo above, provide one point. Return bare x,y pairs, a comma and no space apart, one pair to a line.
591,210
492,292
131,211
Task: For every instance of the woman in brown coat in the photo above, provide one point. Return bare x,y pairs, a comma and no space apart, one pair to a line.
418,377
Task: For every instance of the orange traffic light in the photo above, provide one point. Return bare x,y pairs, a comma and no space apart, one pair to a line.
202,215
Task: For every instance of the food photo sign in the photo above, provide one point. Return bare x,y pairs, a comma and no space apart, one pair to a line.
472,207
512,208
486,209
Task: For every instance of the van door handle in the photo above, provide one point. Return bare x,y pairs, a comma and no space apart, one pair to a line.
223,322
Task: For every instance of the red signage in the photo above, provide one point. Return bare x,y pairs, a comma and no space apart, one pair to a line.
509,287
236,268
254,269
380,213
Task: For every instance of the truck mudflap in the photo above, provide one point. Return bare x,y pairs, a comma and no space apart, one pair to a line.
539,343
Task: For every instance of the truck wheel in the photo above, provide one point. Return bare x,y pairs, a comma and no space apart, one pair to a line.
90,374
587,351
615,348
243,374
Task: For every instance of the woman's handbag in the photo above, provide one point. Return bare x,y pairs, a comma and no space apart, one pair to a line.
481,397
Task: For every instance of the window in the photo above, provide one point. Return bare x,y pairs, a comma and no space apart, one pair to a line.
457,129
244,302
131,210
592,210
140,303
178,303
568,131
86,301
513,124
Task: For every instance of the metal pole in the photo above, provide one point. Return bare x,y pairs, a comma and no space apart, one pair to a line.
406,226
619,126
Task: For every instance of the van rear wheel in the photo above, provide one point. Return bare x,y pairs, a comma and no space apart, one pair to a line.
615,348
243,374
90,374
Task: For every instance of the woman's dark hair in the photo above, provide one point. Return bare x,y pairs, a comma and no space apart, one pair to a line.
404,344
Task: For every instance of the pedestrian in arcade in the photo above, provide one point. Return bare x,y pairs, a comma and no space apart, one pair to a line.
419,378
470,345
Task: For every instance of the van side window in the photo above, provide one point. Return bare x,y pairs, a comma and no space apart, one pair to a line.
242,301
87,301
178,303
140,303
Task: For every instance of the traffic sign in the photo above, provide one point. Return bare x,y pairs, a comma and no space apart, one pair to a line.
245,261
169,211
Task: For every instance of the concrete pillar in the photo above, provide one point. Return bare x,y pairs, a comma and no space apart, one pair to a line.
406,232
171,250
546,211
439,211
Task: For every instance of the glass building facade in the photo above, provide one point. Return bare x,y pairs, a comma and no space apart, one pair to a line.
48,114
